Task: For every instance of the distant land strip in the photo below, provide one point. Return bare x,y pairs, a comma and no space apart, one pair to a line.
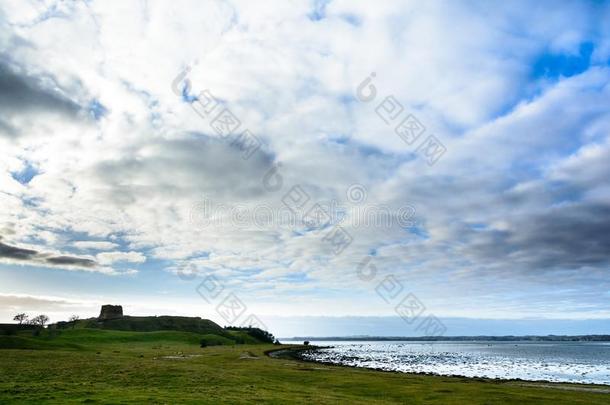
508,338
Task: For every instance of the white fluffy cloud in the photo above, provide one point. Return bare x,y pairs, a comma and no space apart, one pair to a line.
107,258
95,245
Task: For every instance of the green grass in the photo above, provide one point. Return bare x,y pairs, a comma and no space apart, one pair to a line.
91,338
99,366
23,342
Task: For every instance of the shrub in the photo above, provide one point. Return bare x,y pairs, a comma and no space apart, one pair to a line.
257,333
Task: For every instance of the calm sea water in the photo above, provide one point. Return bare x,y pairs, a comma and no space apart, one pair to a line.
580,362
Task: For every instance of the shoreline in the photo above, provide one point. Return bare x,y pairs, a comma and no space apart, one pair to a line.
294,354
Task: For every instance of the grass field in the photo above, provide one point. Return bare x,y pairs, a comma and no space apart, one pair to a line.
93,366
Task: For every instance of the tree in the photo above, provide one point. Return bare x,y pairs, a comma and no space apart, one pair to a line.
73,319
21,318
257,333
40,320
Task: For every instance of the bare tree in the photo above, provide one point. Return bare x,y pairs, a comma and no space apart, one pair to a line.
21,318
73,319
40,320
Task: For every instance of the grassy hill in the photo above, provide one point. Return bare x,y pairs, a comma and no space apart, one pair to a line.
148,324
87,333
213,333
83,338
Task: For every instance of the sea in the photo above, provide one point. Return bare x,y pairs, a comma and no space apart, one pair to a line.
574,362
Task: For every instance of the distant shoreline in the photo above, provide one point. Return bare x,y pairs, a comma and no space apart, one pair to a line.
507,338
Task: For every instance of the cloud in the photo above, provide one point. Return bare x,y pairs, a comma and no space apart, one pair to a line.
516,210
71,261
24,302
23,98
31,257
108,258
57,308
95,245
13,252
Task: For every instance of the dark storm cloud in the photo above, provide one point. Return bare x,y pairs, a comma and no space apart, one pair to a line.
568,237
19,91
521,227
22,95
13,252
71,261
195,164
35,257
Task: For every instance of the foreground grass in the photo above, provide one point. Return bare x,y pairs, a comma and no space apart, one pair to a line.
159,369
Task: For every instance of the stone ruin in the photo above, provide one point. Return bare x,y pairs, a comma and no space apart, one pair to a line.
111,312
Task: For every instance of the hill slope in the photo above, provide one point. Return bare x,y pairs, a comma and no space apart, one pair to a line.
148,324
128,329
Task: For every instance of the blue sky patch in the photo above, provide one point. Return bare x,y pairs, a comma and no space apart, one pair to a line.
420,232
97,109
319,10
553,66
26,174
186,96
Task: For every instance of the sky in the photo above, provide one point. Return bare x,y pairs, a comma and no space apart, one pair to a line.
316,167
